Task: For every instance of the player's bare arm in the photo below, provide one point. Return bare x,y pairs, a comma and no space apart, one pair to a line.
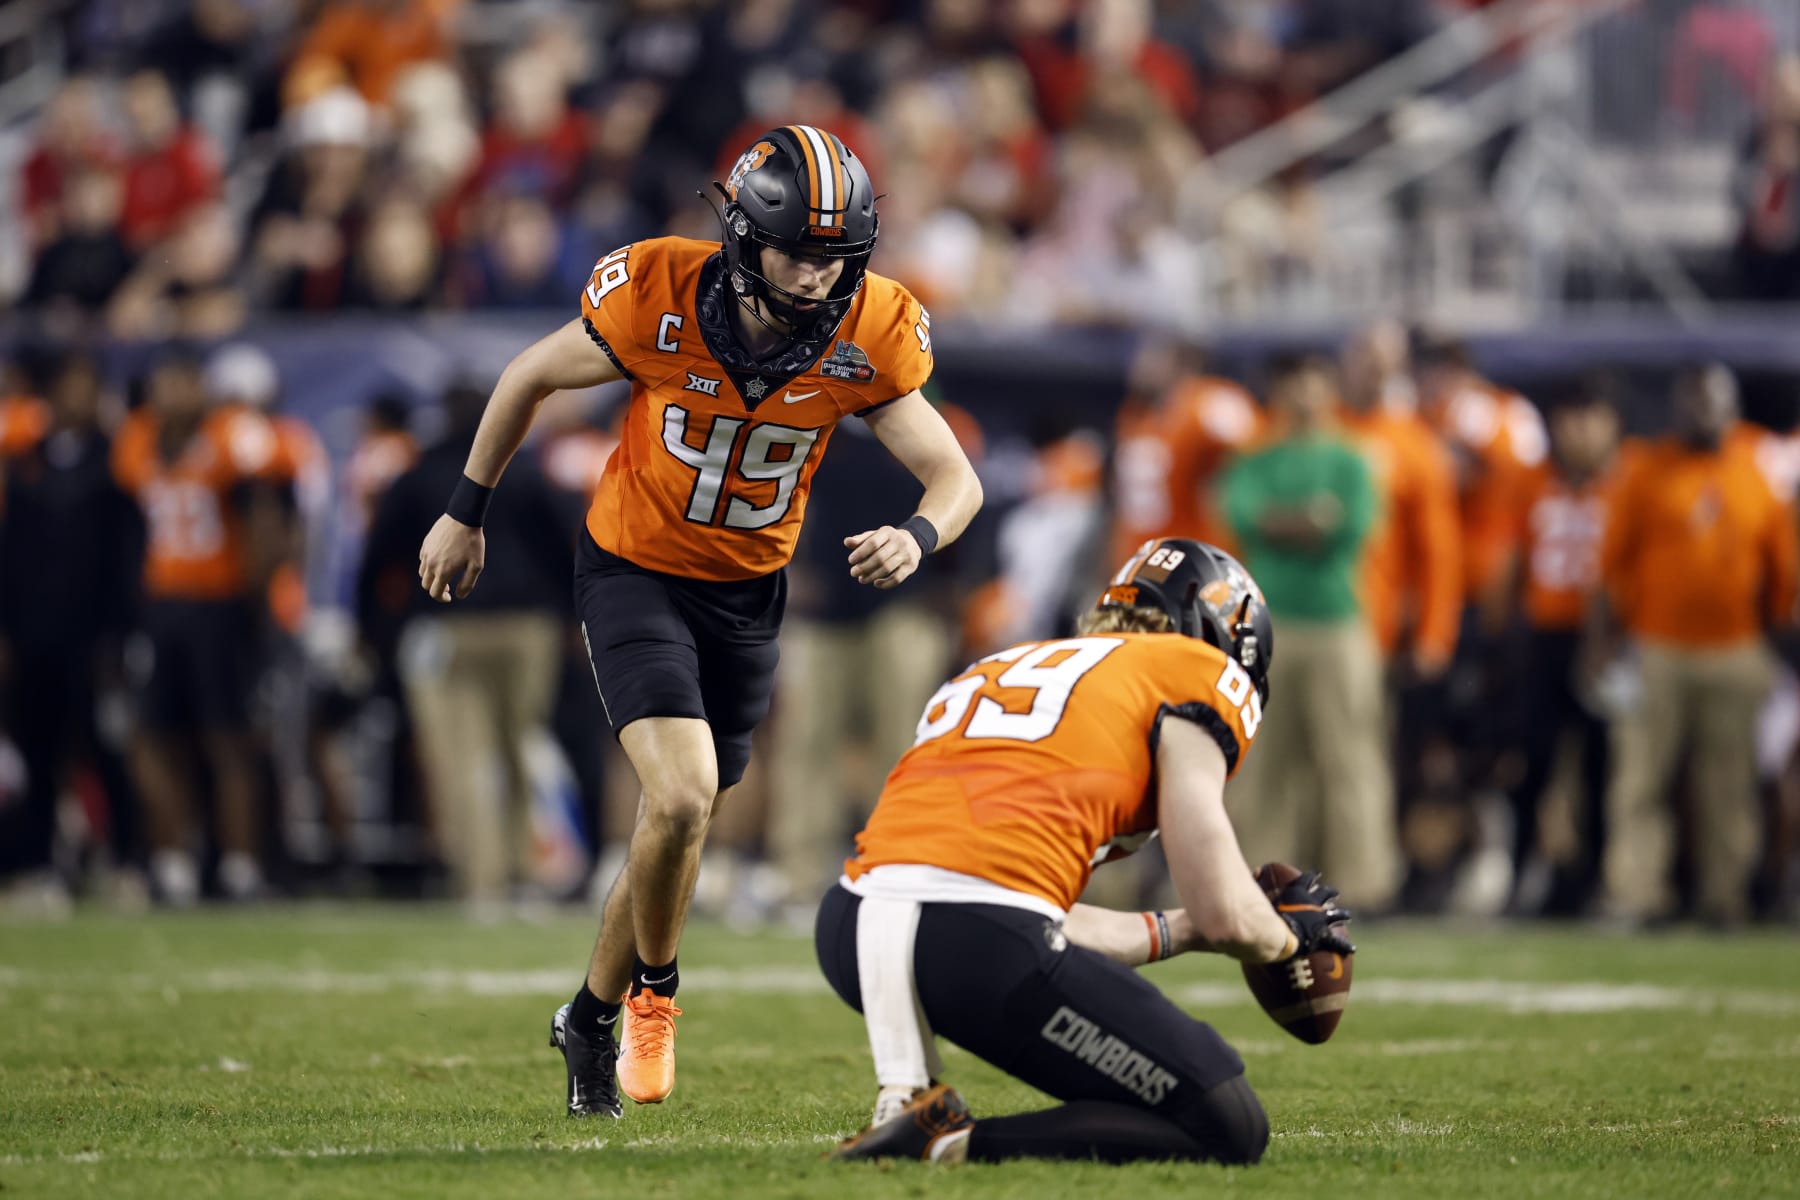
1132,938
1229,912
452,556
919,437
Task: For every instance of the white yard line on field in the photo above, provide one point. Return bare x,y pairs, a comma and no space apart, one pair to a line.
586,1145
1512,996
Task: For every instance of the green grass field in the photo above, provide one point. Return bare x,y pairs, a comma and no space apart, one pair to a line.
401,1052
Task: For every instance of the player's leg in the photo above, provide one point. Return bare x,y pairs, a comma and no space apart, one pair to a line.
1139,1078
1345,715
223,670
647,672
1647,744
1729,823
160,749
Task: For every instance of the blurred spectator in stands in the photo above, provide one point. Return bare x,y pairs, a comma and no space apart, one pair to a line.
396,266
1767,192
312,206
1176,432
65,603
72,139
435,143
1699,560
220,66
1005,176
480,676
188,287
1329,42
616,200
534,143
979,169
79,271
200,476
367,44
170,170
1554,578
1412,573
1111,39
1319,790
523,260
857,667
1110,254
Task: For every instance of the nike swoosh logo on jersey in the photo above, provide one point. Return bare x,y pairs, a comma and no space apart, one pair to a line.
797,397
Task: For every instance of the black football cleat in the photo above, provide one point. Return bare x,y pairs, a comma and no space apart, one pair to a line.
933,1115
593,1068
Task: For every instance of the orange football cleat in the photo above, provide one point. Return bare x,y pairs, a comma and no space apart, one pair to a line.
647,1047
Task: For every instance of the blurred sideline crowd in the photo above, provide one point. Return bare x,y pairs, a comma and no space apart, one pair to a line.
1523,664
207,159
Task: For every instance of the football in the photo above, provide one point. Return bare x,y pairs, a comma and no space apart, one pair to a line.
1305,996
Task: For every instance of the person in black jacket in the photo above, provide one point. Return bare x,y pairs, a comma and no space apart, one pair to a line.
68,577
479,679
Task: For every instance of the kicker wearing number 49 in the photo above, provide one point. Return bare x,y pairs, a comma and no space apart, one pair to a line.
680,582
958,917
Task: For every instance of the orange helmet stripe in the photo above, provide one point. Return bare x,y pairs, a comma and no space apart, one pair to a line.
804,134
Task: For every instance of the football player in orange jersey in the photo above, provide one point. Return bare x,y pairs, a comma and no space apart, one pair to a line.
201,476
958,917
1175,432
1562,522
742,357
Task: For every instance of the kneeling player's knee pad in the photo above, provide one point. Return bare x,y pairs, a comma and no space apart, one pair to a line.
1229,1121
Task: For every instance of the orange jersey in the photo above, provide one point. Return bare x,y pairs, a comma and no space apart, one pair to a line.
1777,456
1412,567
23,422
1037,763
1498,437
1168,457
381,458
300,462
1562,528
715,458
1698,551
196,539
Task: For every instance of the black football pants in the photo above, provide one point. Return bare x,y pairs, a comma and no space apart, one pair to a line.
1141,1078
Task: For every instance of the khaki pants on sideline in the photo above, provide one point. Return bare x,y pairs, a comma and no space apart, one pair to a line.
1707,699
882,670
1316,789
477,685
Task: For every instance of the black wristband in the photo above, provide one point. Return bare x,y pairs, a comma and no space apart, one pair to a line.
469,502
923,531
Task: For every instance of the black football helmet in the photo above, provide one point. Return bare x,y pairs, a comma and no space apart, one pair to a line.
802,191
1207,593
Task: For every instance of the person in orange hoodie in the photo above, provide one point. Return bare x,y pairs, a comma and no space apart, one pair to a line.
1554,576
1176,431
1412,573
1497,437
1699,561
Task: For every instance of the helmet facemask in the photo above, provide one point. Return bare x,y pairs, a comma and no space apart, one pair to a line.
760,295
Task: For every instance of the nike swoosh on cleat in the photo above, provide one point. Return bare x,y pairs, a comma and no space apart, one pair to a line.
795,398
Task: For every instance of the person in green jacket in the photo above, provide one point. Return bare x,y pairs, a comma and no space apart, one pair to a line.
1303,509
